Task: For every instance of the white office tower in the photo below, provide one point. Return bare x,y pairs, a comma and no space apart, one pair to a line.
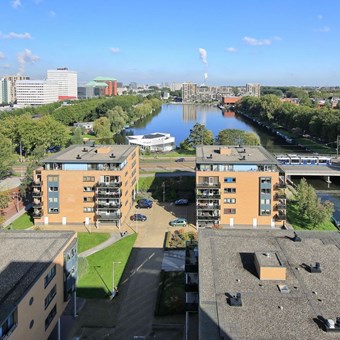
36,92
67,82
5,91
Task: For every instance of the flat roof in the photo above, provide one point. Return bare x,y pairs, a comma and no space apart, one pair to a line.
92,154
226,266
24,256
236,155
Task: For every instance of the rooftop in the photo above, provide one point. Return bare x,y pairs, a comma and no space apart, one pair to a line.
95,84
24,256
226,266
92,154
224,154
104,79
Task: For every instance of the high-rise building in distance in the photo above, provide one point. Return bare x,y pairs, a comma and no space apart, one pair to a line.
67,82
253,89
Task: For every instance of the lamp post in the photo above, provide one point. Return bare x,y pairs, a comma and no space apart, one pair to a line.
113,277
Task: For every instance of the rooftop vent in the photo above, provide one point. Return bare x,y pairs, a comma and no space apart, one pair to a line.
283,288
78,157
112,155
85,150
210,156
329,325
296,238
235,300
242,158
96,151
316,268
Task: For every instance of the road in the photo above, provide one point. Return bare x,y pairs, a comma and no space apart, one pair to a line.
167,164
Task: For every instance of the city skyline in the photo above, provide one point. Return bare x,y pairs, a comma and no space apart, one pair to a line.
217,43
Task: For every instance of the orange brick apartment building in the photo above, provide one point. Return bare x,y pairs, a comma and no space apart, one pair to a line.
38,272
89,185
239,186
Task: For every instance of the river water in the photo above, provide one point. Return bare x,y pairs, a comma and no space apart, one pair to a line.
178,119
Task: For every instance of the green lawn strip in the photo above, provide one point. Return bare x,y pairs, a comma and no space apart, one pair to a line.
23,222
89,240
171,294
299,223
177,153
97,282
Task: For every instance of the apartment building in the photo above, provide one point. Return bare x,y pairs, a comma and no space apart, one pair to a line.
189,92
38,273
36,92
67,82
239,186
5,91
253,90
111,89
86,184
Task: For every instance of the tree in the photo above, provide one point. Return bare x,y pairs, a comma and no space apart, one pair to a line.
199,135
77,137
4,199
237,137
6,156
101,127
310,206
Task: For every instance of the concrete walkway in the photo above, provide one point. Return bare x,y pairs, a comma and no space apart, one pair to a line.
114,237
17,215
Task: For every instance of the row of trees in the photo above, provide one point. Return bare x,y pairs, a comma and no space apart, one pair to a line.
200,135
320,123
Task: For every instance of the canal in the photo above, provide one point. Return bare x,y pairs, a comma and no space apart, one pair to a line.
178,119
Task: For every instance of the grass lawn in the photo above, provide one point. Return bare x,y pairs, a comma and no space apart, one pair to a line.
97,282
23,222
89,240
174,153
299,223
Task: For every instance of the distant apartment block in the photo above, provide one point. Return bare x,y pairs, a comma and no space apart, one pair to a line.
92,89
5,91
86,185
67,82
189,92
11,80
38,273
239,186
268,284
253,90
175,86
36,92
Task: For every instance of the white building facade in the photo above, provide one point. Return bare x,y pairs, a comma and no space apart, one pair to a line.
153,142
36,92
67,82
5,91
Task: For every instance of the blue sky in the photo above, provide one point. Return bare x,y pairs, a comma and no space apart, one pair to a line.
291,42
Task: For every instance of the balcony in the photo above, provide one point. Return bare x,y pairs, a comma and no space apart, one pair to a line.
110,184
280,185
280,196
37,204
280,206
36,184
109,206
112,194
208,207
280,216
36,193
37,213
101,216
208,185
208,217
208,196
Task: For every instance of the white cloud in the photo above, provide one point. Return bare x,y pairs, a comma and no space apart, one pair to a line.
26,57
5,66
16,3
13,35
2,55
115,50
52,14
257,42
231,49
323,29
203,55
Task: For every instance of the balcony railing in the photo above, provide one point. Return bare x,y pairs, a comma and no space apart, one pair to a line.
108,217
208,207
208,217
280,185
111,184
36,193
37,213
280,196
208,185
208,196
108,207
37,204
280,217
36,184
280,206
104,193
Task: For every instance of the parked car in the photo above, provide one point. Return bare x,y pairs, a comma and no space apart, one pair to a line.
180,160
178,222
335,222
144,203
138,217
182,201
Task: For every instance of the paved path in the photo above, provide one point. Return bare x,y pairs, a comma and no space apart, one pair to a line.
114,237
17,215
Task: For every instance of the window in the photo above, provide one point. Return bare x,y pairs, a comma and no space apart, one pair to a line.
52,178
134,154
53,199
265,201
88,179
264,212
50,316
53,210
87,199
229,180
133,172
87,189
7,326
230,200
50,275
230,190
88,209
133,164
50,296
230,211
52,189
266,180
265,191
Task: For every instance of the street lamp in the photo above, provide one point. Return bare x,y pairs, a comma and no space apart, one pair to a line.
113,278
